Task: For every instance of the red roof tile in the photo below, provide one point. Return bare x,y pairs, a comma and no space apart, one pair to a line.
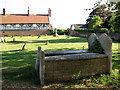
17,19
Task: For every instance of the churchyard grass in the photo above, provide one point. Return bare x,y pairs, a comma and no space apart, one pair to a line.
18,65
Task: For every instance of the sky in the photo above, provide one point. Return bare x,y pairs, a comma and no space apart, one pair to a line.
63,12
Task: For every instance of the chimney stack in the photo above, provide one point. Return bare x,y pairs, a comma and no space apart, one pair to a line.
49,12
28,11
3,11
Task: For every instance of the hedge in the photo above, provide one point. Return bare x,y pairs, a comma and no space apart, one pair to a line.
60,32
98,30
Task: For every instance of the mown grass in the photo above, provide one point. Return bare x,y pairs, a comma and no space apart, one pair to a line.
18,65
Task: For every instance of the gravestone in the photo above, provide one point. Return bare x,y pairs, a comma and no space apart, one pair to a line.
38,36
2,39
47,41
91,39
13,39
106,43
56,32
12,36
24,46
5,39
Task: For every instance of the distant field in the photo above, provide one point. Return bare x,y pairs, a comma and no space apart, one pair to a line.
18,66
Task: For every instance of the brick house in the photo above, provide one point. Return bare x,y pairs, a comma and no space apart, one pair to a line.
14,24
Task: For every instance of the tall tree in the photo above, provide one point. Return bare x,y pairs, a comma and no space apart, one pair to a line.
108,12
114,22
100,11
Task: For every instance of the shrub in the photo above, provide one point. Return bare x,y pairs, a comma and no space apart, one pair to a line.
59,31
97,30
52,31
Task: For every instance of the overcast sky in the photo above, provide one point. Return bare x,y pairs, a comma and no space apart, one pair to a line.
64,12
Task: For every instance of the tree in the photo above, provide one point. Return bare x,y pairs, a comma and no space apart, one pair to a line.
109,13
100,10
117,24
114,22
95,22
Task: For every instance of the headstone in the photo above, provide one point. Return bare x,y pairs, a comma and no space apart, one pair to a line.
38,36
13,39
23,46
47,41
56,32
91,39
37,61
12,36
106,43
2,39
5,39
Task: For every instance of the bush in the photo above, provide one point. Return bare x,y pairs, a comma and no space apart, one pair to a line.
52,31
97,30
59,31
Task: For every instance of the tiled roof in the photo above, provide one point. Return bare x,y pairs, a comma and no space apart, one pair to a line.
77,25
23,18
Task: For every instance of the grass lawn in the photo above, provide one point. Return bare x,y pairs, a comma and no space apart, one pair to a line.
18,66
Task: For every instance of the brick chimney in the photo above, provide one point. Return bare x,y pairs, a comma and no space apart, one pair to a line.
3,11
28,11
49,12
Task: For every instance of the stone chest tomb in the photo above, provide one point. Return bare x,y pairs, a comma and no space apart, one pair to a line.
62,65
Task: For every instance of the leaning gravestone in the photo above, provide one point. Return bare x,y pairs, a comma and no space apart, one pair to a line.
24,46
106,43
91,39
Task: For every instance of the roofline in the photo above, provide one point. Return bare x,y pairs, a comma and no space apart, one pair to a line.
24,23
77,24
27,14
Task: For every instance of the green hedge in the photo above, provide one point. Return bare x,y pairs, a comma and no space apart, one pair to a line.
59,31
98,30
